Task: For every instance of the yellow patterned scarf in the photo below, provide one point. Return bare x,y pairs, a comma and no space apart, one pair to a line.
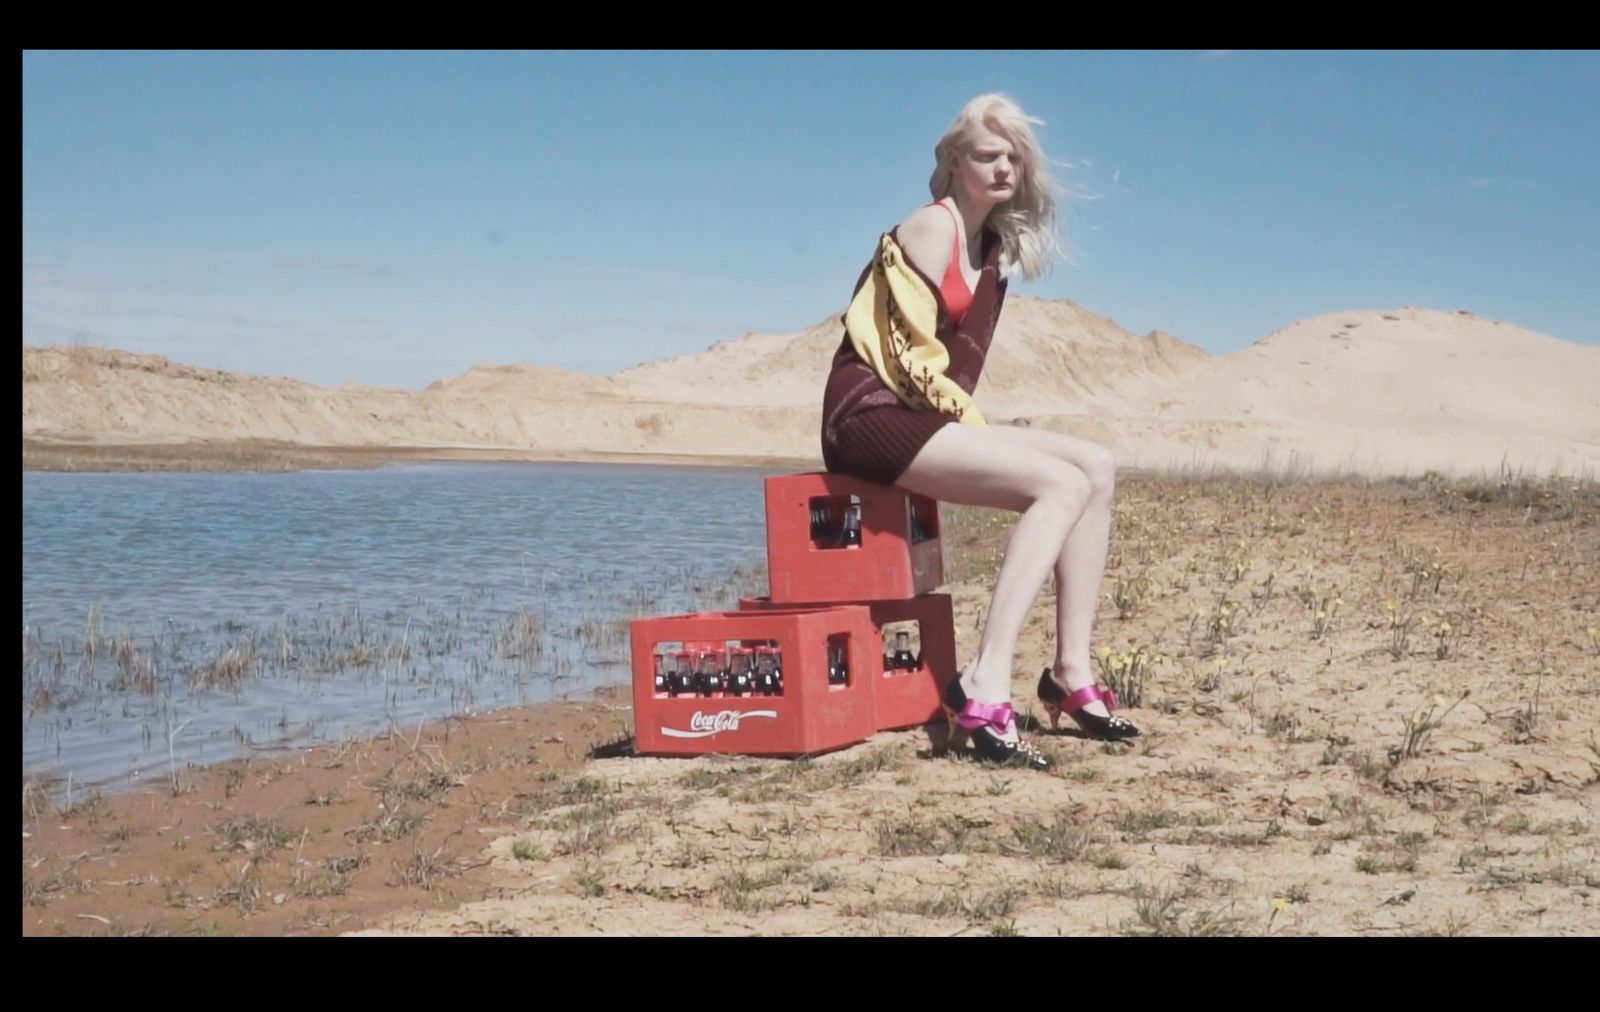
892,323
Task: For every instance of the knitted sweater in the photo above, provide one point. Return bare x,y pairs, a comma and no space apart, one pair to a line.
891,323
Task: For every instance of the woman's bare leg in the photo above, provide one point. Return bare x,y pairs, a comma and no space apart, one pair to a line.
1081,567
980,467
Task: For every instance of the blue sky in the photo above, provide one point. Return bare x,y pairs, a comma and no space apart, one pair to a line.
394,218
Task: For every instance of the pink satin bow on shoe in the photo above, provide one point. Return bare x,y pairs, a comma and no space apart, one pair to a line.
996,715
1088,694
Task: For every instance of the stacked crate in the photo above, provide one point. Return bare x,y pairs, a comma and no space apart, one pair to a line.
807,669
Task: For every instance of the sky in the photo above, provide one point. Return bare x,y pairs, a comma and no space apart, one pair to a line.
394,218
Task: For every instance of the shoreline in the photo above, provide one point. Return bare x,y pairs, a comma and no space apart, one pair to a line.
269,455
315,840
276,456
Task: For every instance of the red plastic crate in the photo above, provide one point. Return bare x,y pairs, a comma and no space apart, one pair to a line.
903,697
808,717
899,555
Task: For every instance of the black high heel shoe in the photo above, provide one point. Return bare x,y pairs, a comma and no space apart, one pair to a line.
1057,701
985,723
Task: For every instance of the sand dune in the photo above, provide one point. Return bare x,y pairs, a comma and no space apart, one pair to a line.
1386,391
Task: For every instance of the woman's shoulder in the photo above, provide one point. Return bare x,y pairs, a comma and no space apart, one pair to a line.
930,221
927,235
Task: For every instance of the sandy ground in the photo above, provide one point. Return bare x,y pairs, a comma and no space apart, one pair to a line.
1376,714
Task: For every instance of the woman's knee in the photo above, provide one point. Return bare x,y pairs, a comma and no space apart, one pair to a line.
1064,486
1100,468
1096,462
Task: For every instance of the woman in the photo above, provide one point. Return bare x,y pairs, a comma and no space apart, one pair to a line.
898,411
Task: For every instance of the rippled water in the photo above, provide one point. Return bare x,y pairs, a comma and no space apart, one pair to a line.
198,616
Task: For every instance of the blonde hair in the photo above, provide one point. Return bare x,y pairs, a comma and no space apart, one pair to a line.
1027,222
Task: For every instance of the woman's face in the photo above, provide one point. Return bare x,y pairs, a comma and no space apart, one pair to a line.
988,167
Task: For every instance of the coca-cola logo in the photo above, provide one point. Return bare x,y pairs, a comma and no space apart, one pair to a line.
703,725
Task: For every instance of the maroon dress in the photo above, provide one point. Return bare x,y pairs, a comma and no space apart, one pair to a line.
867,432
